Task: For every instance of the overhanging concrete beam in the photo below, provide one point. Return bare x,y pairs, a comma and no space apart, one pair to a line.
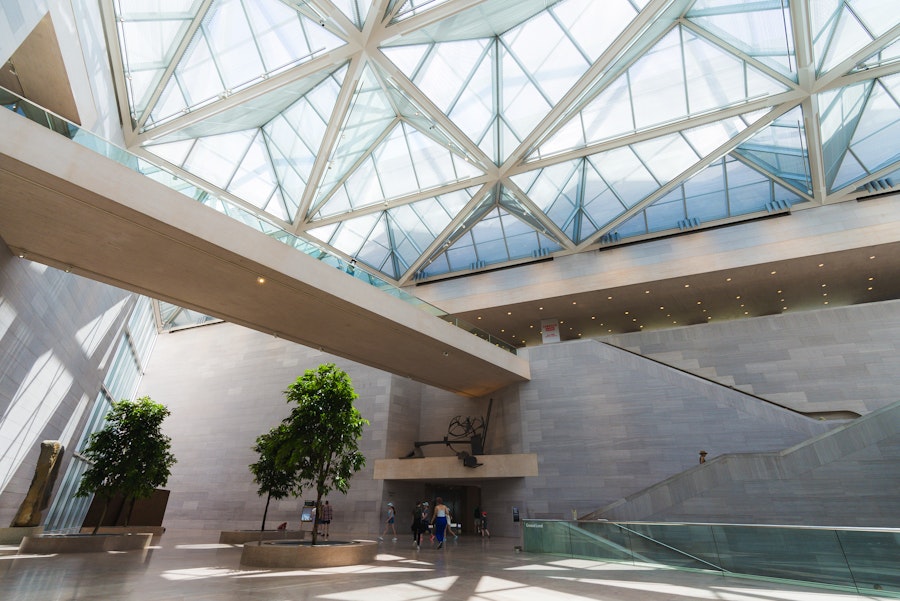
69,207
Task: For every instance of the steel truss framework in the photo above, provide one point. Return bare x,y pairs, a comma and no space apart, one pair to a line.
429,138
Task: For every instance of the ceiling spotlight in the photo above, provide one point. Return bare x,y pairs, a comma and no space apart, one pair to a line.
260,280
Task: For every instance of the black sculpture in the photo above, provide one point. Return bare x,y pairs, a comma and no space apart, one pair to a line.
470,431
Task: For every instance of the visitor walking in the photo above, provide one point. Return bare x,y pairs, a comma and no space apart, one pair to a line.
439,519
325,520
389,522
483,525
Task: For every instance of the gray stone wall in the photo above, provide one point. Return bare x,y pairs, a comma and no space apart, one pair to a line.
224,385
606,423
843,358
55,333
824,481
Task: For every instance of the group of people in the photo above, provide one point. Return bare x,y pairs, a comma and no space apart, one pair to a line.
434,521
424,518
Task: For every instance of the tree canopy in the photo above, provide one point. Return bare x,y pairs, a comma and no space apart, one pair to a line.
317,445
130,455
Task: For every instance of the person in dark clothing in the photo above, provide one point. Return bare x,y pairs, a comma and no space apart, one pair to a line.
420,523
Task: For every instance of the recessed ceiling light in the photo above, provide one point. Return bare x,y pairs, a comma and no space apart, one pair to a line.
687,285
772,272
821,264
260,280
479,317
574,302
727,279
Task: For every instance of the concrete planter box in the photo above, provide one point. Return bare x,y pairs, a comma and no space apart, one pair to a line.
156,531
49,544
239,537
297,554
14,534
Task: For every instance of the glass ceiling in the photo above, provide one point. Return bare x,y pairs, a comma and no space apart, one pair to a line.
426,138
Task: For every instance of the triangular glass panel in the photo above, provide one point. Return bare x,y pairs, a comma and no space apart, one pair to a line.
237,45
574,195
547,54
555,190
457,77
873,145
261,110
508,201
419,118
681,76
840,111
760,30
889,54
593,26
499,237
781,149
406,161
148,45
369,117
839,32
355,10
725,189
411,8
522,103
411,229
483,20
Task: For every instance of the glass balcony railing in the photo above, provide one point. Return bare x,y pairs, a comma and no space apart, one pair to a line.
226,206
862,561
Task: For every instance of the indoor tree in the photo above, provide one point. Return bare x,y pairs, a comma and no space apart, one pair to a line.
276,481
322,433
129,456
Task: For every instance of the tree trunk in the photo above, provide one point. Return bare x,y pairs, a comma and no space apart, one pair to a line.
265,513
131,503
102,515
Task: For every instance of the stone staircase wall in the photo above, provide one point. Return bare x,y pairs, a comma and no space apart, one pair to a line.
848,476
827,360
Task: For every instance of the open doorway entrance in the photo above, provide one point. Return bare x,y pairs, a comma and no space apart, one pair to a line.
462,501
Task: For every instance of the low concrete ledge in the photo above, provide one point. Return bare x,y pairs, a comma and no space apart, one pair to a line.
14,534
298,554
156,531
239,537
49,544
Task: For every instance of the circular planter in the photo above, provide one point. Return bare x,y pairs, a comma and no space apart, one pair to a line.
49,544
299,554
239,537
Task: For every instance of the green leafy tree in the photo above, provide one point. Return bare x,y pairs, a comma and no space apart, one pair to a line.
130,456
323,432
276,481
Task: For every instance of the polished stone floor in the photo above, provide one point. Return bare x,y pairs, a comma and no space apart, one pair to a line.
194,566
